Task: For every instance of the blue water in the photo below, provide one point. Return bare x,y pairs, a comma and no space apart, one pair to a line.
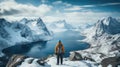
43,49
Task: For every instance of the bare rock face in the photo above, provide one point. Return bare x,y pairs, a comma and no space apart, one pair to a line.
15,60
75,56
114,61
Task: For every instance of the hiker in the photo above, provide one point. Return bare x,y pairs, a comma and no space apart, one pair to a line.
59,51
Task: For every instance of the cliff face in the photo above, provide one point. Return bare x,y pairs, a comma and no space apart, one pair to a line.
104,38
15,60
23,31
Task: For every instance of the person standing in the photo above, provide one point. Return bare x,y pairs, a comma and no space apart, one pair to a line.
59,51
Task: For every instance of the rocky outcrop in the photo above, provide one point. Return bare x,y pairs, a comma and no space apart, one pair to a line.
75,56
114,61
16,60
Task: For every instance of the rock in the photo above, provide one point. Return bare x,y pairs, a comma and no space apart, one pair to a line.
88,58
75,56
41,62
30,61
114,61
15,60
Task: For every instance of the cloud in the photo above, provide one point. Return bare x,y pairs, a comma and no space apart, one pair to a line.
50,19
8,12
44,1
80,17
57,2
108,4
73,8
76,8
16,9
96,5
88,17
60,3
51,13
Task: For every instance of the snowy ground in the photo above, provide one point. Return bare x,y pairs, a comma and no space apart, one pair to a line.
68,63
51,62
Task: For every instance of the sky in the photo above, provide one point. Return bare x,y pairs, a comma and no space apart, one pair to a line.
73,11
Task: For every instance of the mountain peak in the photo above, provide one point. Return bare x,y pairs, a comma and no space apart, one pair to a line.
108,20
109,17
4,22
25,19
39,18
61,21
108,25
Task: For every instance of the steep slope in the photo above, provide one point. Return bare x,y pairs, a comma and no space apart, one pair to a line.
38,29
107,25
104,38
32,30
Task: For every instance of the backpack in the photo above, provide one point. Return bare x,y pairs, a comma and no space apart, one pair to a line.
60,49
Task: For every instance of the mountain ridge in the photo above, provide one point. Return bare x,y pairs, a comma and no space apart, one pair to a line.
17,32
104,43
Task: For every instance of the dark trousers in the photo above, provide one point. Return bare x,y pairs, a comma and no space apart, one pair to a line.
59,58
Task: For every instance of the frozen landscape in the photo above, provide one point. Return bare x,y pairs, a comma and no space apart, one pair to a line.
103,38
39,33
24,31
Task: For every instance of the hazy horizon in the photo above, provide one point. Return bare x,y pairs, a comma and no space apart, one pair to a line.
73,11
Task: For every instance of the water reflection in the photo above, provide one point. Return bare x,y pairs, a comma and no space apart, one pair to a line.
22,48
43,48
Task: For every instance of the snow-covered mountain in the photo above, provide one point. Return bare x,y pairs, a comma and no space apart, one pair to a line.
107,25
59,26
82,27
31,30
104,38
62,24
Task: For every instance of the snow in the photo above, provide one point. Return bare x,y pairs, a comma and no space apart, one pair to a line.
51,62
59,26
15,36
104,49
109,65
25,63
12,33
33,26
24,31
68,63
104,42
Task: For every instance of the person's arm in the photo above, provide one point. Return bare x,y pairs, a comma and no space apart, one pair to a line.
56,49
63,49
